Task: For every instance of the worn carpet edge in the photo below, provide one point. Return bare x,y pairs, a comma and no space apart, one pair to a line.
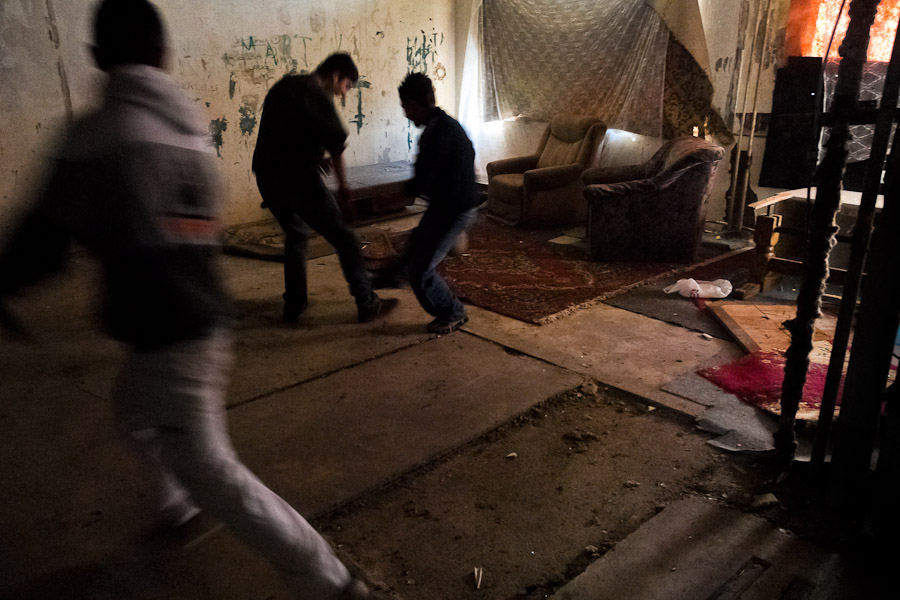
627,288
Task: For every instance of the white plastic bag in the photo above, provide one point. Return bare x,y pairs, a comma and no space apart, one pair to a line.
689,288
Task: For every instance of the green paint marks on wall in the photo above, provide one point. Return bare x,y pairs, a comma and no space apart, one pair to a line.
262,61
216,127
359,117
418,52
248,119
305,57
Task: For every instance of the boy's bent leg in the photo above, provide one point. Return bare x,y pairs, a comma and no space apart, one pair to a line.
205,462
138,426
435,235
324,216
180,391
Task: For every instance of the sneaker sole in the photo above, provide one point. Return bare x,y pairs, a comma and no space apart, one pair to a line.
450,329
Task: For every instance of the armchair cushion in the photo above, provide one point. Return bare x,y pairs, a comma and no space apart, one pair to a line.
564,145
547,178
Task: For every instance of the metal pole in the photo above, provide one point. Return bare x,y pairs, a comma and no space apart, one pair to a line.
862,232
736,167
870,359
822,228
744,179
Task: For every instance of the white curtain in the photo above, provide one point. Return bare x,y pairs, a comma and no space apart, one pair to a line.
471,94
538,58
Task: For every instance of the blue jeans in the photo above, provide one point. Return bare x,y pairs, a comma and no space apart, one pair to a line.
301,202
428,245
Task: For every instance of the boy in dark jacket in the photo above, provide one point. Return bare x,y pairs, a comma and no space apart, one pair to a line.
445,175
299,125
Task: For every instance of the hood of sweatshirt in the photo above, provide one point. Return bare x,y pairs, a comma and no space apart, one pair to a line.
154,90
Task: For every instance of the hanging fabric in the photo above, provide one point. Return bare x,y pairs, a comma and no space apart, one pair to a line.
545,57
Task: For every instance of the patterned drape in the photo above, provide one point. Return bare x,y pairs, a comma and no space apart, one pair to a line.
545,57
688,96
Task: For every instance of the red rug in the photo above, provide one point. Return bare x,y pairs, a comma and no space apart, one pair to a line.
757,377
520,274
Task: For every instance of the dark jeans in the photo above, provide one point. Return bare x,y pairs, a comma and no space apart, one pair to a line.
428,245
302,200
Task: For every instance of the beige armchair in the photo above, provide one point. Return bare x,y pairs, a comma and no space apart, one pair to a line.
546,187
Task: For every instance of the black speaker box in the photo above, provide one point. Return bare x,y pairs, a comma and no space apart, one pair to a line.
793,134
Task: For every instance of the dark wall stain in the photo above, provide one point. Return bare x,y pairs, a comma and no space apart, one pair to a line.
232,83
738,65
216,127
248,119
51,21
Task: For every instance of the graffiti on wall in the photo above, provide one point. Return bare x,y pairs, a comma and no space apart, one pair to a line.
421,57
254,63
260,61
422,49
358,118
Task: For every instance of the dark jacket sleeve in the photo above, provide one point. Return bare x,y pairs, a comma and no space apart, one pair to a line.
331,131
37,245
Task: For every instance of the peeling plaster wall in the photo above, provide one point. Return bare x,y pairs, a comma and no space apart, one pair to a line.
225,55
730,27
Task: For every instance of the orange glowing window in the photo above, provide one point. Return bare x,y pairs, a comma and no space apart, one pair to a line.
881,36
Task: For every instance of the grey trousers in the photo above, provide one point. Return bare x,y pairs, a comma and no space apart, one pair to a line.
170,403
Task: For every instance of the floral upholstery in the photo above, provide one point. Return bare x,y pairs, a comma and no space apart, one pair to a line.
655,211
546,188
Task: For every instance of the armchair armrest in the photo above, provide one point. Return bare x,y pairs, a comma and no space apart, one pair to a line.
519,164
613,174
607,191
548,178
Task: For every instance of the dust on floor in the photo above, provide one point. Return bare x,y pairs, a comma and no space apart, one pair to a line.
533,503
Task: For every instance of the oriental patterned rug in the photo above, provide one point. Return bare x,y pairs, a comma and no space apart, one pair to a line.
519,273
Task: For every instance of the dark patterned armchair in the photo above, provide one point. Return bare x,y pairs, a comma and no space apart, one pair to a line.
546,187
654,211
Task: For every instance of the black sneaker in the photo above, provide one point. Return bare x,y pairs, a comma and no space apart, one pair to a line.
381,308
442,326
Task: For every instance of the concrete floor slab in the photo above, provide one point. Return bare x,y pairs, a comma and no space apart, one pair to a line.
698,549
299,392
70,490
620,348
326,339
271,355
326,441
